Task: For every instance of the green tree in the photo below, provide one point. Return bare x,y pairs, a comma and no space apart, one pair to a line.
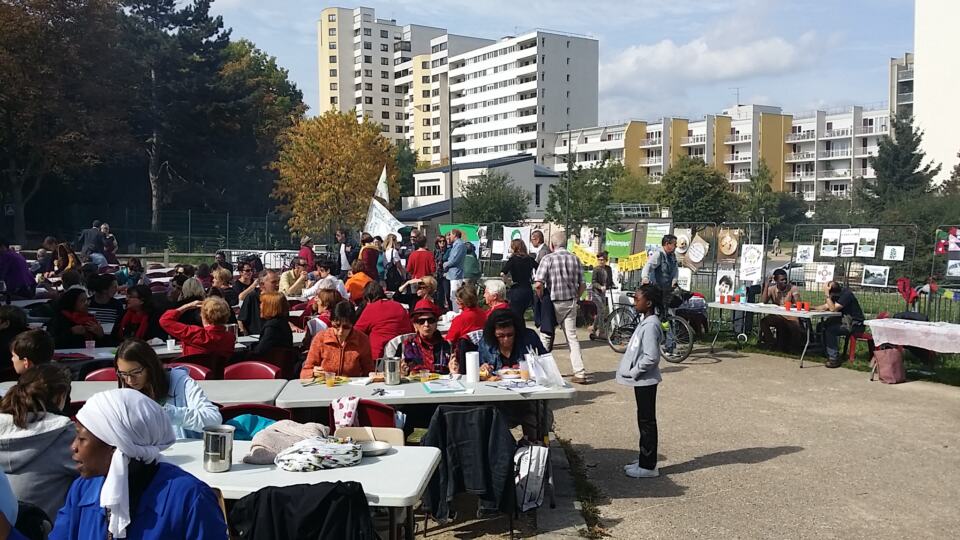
328,169
634,188
492,198
406,166
583,197
62,97
759,199
899,167
697,192
951,186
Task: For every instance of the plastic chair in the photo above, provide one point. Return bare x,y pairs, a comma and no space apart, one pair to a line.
852,344
371,414
73,408
267,411
106,374
284,358
392,347
393,436
197,373
213,363
251,370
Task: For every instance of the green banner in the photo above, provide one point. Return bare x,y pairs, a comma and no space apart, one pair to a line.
469,231
618,243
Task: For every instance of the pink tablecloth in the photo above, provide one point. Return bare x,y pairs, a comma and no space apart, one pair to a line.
935,336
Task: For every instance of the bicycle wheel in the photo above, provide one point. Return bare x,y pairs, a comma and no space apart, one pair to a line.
620,324
678,340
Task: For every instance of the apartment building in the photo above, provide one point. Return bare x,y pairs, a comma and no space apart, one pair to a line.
901,86
935,108
511,96
807,153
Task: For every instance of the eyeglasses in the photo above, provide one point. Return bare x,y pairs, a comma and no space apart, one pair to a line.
426,321
132,374
505,336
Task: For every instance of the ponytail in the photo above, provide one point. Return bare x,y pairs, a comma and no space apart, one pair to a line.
36,392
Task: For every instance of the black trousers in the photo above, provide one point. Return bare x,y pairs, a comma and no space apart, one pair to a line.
647,422
520,298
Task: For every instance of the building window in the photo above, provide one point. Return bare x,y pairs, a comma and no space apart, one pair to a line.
384,87
568,110
426,136
333,86
332,32
385,102
426,93
426,122
399,129
425,64
436,149
367,32
368,73
384,74
384,47
436,121
333,100
368,100
358,101
568,59
332,17
399,116
568,43
332,45
385,115
384,61
568,77
367,45
367,59
385,128
333,59
398,102
368,87
536,190
568,94
384,34
425,79
333,73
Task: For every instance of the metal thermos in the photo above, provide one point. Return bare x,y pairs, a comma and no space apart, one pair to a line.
217,448
391,371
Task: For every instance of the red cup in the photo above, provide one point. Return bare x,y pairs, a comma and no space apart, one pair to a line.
787,305
806,306
723,299
736,298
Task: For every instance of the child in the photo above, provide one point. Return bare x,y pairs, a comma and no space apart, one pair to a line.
31,348
640,369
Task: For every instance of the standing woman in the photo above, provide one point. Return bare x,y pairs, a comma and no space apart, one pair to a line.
440,253
640,368
110,245
393,272
519,267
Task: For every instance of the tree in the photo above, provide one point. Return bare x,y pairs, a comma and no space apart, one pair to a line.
328,170
634,188
406,166
899,168
582,197
492,198
759,201
952,185
62,100
696,192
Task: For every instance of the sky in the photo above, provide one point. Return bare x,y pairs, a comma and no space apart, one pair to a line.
658,58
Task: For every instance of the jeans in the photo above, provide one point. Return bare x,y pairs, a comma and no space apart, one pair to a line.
832,330
566,311
443,294
646,397
600,301
520,297
455,285
98,259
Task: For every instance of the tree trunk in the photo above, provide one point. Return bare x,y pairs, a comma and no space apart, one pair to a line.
153,171
19,206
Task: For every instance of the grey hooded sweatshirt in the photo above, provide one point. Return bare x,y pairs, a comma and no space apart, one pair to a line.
38,460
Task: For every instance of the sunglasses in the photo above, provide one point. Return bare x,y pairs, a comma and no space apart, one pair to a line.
426,321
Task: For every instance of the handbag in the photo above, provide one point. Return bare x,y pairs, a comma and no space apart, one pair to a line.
888,364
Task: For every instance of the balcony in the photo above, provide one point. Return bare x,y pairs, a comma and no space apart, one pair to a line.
836,154
645,143
655,178
650,161
837,133
737,158
864,173
739,176
834,174
863,131
905,75
904,98
738,138
808,135
694,140
865,152
800,156
799,176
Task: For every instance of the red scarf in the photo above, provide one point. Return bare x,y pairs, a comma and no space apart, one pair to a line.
138,319
77,317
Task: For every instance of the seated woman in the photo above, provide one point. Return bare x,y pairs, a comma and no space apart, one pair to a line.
222,287
13,321
141,319
506,340
275,332
426,287
426,349
382,319
357,281
104,307
204,276
65,259
339,349
472,316
35,437
72,324
212,338
125,491
495,295
183,400
131,274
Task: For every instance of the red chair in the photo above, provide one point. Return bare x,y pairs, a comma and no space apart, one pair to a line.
852,344
281,357
213,363
197,373
251,370
371,414
73,408
266,411
106,374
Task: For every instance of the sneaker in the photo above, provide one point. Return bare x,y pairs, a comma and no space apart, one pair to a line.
833,363
581,379
639,472
632,465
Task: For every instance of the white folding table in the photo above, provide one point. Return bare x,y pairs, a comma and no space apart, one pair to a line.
396,479
257,391
942,337
773,309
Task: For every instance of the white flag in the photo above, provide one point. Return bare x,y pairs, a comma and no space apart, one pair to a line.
383,191
380,222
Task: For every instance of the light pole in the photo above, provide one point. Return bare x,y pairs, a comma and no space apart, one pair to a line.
451,125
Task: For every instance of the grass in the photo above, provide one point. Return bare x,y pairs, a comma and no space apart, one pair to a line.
588,495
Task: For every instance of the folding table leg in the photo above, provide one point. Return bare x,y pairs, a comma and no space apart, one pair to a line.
807,344
392,512
409,526
719,329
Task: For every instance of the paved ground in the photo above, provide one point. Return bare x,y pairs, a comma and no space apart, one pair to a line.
752,446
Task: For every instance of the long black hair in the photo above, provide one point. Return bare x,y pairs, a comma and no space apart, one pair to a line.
135,350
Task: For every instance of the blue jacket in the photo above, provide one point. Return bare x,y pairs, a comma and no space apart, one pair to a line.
491,355
174,506
454,262
661,269
187,406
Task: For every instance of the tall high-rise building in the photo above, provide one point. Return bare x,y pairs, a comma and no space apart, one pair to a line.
511,96
936,110
901,86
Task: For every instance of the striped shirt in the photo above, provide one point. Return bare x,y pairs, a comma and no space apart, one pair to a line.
562,273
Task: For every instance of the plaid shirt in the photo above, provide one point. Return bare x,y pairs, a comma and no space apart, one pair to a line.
562,273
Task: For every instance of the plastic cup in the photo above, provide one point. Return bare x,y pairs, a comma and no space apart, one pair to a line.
424,375
787,305
806,306
330,379
89,344
736,298
171,343
524,370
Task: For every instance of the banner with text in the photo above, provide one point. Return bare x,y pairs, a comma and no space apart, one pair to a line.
618,244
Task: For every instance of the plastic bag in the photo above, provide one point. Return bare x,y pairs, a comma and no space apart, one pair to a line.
544,370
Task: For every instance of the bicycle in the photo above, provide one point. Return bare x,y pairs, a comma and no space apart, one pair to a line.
679,335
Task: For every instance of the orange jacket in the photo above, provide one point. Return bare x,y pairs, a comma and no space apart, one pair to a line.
355,286
352,359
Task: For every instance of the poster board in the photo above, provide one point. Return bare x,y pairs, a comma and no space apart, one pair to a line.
804,254
875,276
726,282
515,233
618,244
867,246
751,262
830,243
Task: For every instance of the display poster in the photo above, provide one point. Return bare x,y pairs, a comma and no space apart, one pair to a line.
751,262
893,253
618,244
848,250
830,243
867,247
728,242
471,233
849,236
726,282
824,272
515,233
696,253
683,240
875,276
684,278
953,268
655,234
804,254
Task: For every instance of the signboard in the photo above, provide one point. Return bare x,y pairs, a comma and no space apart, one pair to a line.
618,244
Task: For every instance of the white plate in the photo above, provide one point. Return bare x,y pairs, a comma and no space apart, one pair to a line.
375,448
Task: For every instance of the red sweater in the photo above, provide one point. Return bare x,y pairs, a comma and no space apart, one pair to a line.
382,321
467,321
211,339
421,263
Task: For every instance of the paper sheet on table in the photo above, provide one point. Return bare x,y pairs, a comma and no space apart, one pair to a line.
528,389
394,393
362,381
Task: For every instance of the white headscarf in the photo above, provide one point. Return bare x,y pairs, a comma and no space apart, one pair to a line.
139,429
